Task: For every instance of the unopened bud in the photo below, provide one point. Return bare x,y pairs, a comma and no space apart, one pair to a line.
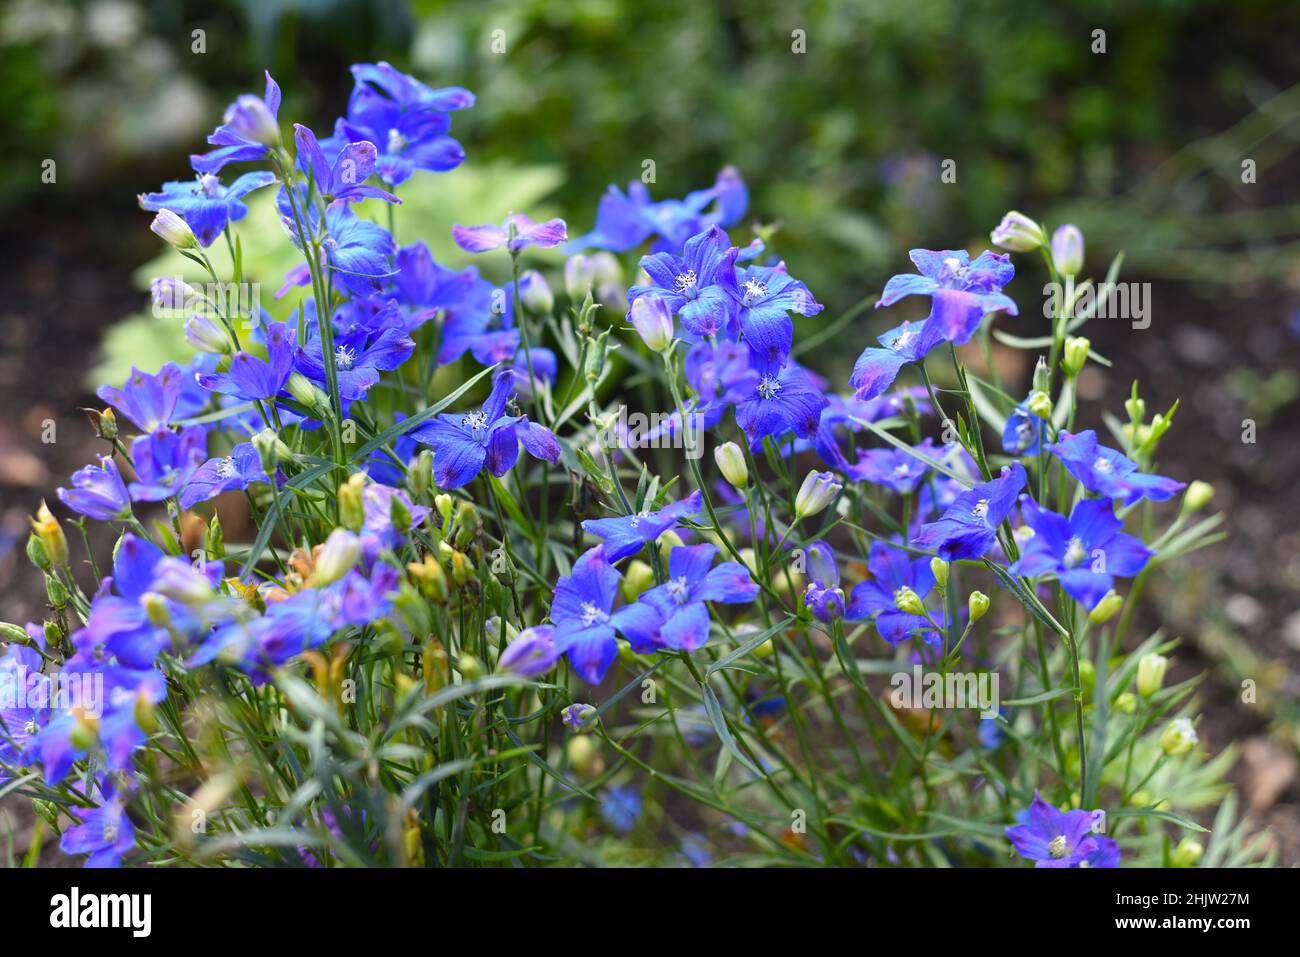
341,551
819,489
419,476
1017,233
535,293
1179,737
1105,609
1151,674
908,601
939,569
1187,853
731,462
47,528
1076,354
578,275
653,322
978,604
1040,404
1067,250
352,509
205,335
174,230
1197,496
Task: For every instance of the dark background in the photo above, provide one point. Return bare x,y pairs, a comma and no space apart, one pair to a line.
1141,146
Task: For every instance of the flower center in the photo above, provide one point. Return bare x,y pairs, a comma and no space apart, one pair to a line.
754,290
981,508
1075,552
953,270
685,283
902,471
396,141
226,467
31,727
678,589
344,356
591,614
209,184
636,519
768,387
1058,848
476,422
1102,465
902,340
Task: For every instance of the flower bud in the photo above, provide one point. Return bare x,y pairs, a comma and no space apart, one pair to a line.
1076,354
352,510
146,716
54,633
1106,608
105,423
650,317
251,118
205,335
606,269
1017,233
908,601
1040,404
597,350
1042,376
341,551
431,579
819,489
462,569
56,592
1179,737
531,654
36,553
1197,496
470,668
47,528
171,293
399,515
269,449
85,731
174,230
1151,674
535,293
578,717
1067,250
1187,853
584,755
638,578
180,581
1126,703
156,610
444,504
939,569
731,462
978,604
419,475
578,275
305,391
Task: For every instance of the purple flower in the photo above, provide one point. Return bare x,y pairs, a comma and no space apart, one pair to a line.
531,654
147,400
405,118
582,612
463,443
343,179
1024,431
104,832
893,468
1053,838
206,205
98,491
823,595
517,233
628,534
543,363
620,808
482,323
427,286
248,130
892,570
876,369
1084,553
783,402
765,296
969,527
358,358
224,473
1108,472
356,250
251,378
689,284
165,461
674,614
961,291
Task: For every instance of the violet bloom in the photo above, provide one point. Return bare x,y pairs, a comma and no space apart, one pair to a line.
147,400
165,461
104,832
893,468
248,130
689,284
341,180
876,369
482,322
969,527
1084,553
893,570
674,615
823,596
463,443
962,292
224,473
543,364
517,233
206,205
358,358
425,286
531,654
628,534
765,296
1108,472
251,378
1053,838
783,402
582,612
356,250
1024,432
98,492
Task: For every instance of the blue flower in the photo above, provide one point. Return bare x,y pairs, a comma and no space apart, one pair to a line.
531,654
1108,472
893,468
543,364
251,378
961,292
783,402
765,296
689,284
104,832
1024,431
876,369
517,233
582,612
426,286
674,615
147,400
246,133
620,808
98,491
356,250
343,179
625,221
204,203
892,570
1084,553
1053,838
628,534
165,461
823,595
224,473
969,527
463,443
358,358
405,118
482,323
